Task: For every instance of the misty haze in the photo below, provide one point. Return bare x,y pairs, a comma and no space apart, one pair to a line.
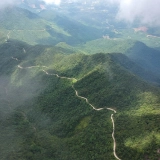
79,80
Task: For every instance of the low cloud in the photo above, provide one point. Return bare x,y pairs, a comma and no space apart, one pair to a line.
145,11
5,3
57,2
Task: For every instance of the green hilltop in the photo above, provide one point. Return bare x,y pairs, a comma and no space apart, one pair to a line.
42,113
146,57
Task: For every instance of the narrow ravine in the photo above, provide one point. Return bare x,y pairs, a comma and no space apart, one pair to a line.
84,98
26,119
7,98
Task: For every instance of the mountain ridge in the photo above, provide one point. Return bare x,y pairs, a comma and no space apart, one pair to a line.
66,95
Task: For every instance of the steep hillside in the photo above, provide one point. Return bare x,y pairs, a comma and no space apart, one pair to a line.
147,58
43,109
80,32
21,24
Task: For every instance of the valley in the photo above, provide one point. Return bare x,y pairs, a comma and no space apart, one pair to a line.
77,84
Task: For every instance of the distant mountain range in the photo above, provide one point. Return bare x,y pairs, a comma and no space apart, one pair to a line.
34,29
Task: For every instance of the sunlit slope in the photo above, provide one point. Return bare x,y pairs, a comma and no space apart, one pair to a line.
80,32
14,52
23,25
42,114
146,57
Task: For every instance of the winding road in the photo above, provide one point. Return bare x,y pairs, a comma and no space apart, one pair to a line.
15,59
6,40
84,98
8,36
94,108
19,66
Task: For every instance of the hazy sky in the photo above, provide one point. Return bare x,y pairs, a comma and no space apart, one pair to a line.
148,11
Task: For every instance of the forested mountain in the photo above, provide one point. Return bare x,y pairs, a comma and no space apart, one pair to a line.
75,90
32,28
144,56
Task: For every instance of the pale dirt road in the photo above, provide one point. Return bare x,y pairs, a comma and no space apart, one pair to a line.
19,66
15,59
87,101
94,108
8,36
